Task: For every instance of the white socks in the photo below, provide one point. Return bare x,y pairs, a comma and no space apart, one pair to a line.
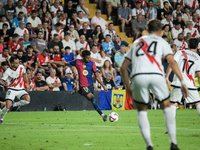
3,113
170,123
174,110
20,103
198,109
145,127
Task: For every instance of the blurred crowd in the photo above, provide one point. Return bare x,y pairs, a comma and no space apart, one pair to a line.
39,32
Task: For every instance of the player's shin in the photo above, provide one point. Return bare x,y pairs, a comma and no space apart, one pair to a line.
145,127
198,108
21,103
170,123
174,110
96,106
4,112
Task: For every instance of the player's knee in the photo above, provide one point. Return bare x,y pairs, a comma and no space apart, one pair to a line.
27,98
8,104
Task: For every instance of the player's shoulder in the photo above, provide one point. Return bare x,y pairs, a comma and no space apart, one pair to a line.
92,62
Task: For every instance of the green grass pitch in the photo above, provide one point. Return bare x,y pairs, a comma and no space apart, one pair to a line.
85,130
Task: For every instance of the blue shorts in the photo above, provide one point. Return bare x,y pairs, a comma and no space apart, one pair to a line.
85,90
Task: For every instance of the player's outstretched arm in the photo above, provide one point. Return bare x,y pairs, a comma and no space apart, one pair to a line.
169,70
124,75
60,63
99,80
176,70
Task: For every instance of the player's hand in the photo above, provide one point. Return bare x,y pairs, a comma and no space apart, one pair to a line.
184,90
5,84
106,90
129,90
167,80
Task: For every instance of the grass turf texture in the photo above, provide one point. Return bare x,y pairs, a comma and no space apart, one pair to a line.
85,130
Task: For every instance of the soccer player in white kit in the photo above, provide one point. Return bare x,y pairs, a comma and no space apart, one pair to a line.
189,63
14,78
148,73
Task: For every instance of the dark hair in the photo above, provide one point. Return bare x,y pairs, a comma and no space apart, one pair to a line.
110,24
79,12
4,63
67,47
13,58
58,24
193,43
85,53
15,35
28,23
5,49
179,15
55,35
33,11
29,47
38,73
67,33
5,24
95,30
166,26
45,50
19,50
82,49
177,4
39,32
164,36
108,35
58,11
3,16
165,2
21,12
41,6
154,25
180,34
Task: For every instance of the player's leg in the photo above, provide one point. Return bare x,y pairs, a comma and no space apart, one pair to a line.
141,98
24,100
198,107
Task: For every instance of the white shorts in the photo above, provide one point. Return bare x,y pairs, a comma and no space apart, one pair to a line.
11,94
143,83
176,96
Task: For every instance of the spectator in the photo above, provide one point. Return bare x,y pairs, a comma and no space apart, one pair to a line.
20,56
97,20
165,11
79,56
166,30
180,43
195,20
119,57
96,57
21,30
167,20
108,45
53,81
10,10
69,43
96,43
156,3
32,84
82,44
150,11
56,19
35,21
194,32
192,4
68,82
14,45
21,8
56,7
18,19
198,12
177,11
58,31
46,31
138,26
3,68
30,6
108,82
119,43
143,3
40,84
43,60
178,1
124,15
2,45
55,42
4,20
188,36
4,57
179,20
104,57
56,55
112,6
6,33
68,56
83,20
175,31
69,9
44,7
30,58
137,10
85,31
74,36
81,7
26,41
47,19
31,32
186,16
98,32
62,21
74,21
38,43
110,30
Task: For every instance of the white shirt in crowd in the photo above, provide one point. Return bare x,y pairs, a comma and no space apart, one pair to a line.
135,12
85,45
54,10
71,44
96,56
111,33
194,32
50,80
104,59
176,32
35,22
180,45
164,22
21,32
24,10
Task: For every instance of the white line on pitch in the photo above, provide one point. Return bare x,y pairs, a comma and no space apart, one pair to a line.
94,126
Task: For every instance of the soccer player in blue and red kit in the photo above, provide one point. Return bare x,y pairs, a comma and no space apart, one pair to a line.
86,68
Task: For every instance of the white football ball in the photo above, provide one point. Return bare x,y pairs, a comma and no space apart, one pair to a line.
113,117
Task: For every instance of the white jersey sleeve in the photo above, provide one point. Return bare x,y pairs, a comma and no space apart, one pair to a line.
5,76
